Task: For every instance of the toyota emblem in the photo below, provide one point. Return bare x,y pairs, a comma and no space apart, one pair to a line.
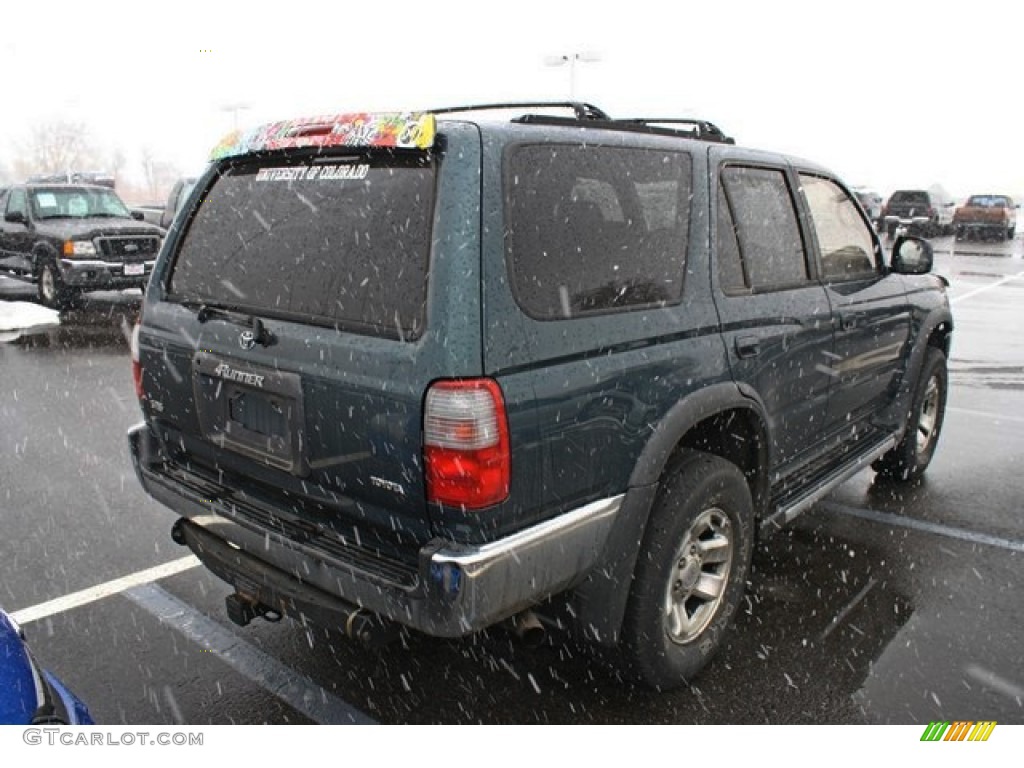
247,339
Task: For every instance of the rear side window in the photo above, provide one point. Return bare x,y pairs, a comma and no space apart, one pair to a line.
592,230
764,227
340,242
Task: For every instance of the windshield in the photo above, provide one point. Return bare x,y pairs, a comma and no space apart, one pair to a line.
76,203
341,242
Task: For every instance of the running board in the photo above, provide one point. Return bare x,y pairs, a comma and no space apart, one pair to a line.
786,514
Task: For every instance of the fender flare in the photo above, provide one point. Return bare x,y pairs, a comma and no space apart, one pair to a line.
599,602
915,362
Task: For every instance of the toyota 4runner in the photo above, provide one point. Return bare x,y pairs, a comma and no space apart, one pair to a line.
459,368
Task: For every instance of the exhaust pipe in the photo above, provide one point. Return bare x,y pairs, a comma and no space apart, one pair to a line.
528,628
370,630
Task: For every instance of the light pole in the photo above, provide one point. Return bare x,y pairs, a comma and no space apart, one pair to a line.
559,60
234,108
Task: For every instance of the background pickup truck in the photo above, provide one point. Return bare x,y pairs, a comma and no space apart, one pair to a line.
984,214
162,215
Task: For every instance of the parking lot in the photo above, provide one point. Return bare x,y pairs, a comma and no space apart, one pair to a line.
880,605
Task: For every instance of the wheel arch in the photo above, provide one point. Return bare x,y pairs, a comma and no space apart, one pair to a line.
41,252
721,419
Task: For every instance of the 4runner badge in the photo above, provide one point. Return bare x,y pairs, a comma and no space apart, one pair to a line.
225,371
247,340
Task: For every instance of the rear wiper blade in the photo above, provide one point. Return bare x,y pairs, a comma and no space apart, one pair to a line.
260,334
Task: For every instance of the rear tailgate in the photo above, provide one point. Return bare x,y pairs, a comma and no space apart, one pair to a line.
285,351
989,210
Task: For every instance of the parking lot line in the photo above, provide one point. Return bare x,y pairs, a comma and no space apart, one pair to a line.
984,288
948,531
986,414
100,591
282,682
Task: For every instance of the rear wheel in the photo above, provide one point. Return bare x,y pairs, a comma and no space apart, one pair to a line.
691,571
908,460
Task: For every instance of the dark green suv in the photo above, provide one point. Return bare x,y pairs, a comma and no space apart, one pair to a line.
454,369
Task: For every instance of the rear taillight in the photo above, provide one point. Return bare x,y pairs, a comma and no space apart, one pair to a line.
465,443
136,365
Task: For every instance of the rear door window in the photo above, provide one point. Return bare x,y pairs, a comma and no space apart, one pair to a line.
592,230
765,230
340,241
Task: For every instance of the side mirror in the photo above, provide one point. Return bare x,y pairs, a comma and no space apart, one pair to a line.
912,256
138,215
18,217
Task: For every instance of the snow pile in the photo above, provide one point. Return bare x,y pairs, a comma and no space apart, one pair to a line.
15,315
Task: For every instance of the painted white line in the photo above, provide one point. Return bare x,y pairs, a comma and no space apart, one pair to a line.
984,288
992,681
923,525
279,680
987,414
100,591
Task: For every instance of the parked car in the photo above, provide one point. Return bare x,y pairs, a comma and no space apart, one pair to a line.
928,212
29,694
450,372
872,202
986,215
176,199
72,238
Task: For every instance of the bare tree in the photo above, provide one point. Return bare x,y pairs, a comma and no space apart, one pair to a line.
56,146
160,174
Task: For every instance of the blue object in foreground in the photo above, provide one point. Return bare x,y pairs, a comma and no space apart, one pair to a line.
30,695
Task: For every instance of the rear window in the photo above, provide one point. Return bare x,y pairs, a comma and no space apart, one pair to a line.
592,229
909,197
338,241
988,201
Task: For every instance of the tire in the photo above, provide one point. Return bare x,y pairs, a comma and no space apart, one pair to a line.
691,571
908,460
1011,232
50,287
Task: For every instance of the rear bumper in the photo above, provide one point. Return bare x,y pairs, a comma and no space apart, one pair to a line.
453,591
976,226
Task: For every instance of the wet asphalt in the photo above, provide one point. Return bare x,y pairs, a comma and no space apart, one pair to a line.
882,604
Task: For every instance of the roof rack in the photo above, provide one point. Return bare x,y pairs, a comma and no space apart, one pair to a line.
594,117
699,129
582,110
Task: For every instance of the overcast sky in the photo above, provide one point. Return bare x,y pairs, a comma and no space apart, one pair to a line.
888,94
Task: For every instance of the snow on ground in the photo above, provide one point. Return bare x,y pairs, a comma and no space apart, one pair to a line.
15,315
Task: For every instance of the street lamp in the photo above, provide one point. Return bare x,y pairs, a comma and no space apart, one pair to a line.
571,59
234,108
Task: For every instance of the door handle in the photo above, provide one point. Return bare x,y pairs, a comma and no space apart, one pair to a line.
748,346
